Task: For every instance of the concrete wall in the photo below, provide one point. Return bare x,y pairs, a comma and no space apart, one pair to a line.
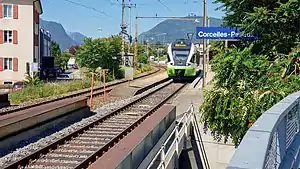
141,151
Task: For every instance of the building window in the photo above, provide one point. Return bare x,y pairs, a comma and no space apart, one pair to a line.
8,63
48,48
8,36
7,11
45,48
8,83
27,67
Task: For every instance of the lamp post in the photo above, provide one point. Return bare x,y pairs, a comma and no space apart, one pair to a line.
114,58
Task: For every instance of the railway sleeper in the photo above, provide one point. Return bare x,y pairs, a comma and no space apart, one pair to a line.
87,143
52,162
57,155
134,113
96,136
72,151
64,157
78,148
48,167
108,126
91,139
103,130
123,122
67,152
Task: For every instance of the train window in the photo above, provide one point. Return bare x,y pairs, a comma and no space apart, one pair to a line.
181,53
193,59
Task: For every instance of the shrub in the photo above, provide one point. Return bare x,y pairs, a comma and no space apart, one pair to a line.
32,80
143,58
119,74
137,72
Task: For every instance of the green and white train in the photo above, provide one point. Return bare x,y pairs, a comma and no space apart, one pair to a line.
182,57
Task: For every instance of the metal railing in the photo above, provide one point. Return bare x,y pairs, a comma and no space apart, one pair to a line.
176,141
273,141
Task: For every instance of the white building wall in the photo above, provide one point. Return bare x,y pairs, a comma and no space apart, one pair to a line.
24,49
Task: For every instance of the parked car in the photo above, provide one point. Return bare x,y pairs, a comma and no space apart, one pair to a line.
65,76
52,72
59,70
75,66
70,66
18,85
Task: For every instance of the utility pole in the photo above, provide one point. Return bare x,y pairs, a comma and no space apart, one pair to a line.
123,28
129,44
207,47
130,6
136,41
204,46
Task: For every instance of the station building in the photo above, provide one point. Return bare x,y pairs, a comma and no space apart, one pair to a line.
19,38
46,60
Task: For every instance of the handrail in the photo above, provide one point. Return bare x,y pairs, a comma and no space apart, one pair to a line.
179,132
200,141
273,141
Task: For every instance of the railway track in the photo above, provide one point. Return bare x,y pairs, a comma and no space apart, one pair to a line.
82,147
97,91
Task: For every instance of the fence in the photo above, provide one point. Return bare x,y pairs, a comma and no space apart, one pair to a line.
273,141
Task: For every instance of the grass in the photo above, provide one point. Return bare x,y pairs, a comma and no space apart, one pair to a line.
162,58
48,89
141,68
44,90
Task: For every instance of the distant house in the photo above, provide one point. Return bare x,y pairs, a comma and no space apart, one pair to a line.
71,62
19,38
46,60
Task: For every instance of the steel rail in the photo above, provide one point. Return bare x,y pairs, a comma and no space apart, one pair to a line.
35,155
98,91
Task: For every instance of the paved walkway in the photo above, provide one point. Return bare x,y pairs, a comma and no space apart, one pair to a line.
128,89
218,153
144,82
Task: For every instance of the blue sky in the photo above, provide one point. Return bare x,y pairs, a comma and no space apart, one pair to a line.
77,18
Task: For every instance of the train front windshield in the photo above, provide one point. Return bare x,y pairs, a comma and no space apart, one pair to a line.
181,54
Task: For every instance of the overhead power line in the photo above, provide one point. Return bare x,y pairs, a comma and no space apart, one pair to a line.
89,7
165,6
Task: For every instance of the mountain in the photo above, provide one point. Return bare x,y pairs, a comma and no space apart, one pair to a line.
77,37
59,34
175,29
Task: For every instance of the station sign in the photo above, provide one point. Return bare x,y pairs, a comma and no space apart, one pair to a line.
34,67
223,33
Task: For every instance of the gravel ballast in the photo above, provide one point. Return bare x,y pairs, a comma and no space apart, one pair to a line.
22,152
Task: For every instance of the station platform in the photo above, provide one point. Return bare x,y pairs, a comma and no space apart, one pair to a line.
128,89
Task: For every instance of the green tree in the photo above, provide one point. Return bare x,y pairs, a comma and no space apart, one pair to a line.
64,58
248,80
90,54
56,52
142,58
112,58
276,22
104,53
